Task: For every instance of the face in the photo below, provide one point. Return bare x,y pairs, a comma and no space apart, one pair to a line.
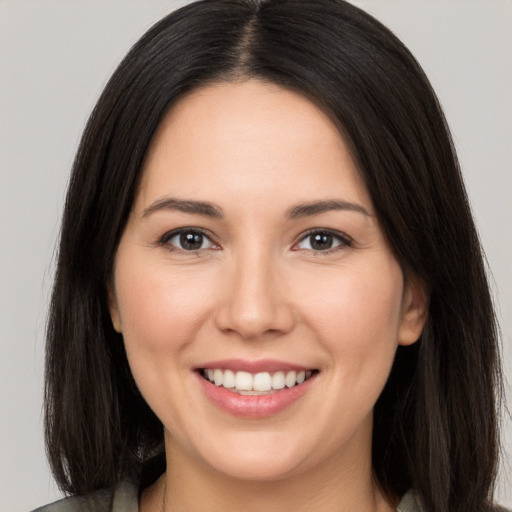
259,302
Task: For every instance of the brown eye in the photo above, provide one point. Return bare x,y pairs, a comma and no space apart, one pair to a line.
191,241
321,241
188,240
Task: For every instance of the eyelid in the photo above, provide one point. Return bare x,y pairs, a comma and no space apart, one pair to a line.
346,241
169,235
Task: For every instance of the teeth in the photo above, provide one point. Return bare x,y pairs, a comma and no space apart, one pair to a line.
278,380
243,381
253,384
290,379
262,382
218,377
228,380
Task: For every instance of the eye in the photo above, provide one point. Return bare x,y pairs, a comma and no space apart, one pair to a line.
323,241
190,240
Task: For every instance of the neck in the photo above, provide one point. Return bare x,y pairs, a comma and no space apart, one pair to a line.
190,485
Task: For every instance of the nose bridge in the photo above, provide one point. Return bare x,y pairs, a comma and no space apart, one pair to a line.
254,303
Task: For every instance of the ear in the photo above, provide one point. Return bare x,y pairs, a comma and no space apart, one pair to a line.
414,311
113,307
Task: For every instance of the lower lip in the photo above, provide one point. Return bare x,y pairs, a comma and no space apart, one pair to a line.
254,406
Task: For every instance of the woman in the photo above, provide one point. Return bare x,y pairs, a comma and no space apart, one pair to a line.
269,286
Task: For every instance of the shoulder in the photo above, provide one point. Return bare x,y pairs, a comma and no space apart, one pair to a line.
411,502
121,498
97,501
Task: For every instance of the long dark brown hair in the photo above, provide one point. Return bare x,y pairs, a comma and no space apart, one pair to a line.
436,421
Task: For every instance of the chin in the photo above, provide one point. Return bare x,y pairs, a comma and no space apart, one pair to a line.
258,456
258,468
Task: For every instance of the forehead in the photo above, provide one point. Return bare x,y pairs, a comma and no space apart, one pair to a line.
250,136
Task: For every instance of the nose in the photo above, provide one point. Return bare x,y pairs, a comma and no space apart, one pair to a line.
253,302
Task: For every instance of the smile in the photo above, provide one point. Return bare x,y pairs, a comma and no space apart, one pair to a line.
261,383
255,390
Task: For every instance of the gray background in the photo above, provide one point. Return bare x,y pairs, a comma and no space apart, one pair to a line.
55,56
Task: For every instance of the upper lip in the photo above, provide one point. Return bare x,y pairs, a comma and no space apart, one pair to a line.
261,365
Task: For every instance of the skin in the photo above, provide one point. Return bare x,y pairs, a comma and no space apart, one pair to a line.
256,289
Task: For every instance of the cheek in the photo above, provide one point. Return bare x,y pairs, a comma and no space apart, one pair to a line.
160,311
159,308
357,312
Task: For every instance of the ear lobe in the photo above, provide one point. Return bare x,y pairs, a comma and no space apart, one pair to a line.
113,308
414,311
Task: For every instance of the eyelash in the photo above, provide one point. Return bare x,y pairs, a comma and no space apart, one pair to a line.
167,237
343,240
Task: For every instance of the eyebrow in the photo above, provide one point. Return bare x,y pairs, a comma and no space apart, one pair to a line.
317,207
195,207
210,210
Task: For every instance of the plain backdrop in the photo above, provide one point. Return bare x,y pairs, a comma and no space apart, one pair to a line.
55,57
